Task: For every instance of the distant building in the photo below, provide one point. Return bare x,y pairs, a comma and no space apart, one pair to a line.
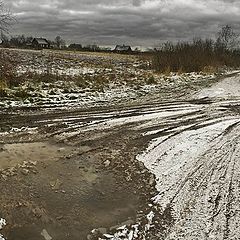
40,43
122,49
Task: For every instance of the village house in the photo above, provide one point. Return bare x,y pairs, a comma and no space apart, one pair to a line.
122,49
40,43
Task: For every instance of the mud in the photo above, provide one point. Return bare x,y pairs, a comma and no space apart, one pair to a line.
13,154
76,181
69,193
68,172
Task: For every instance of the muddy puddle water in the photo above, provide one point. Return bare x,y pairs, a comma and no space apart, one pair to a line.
13,154
69,194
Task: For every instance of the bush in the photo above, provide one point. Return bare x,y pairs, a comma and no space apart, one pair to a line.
196,56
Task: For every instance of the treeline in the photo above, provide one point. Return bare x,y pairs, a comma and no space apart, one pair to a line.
22,41
15,41
88,47
199,54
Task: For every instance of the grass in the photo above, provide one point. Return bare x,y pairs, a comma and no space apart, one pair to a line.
3,88
130,71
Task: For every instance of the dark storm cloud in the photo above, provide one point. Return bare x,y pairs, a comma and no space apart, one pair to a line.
139,22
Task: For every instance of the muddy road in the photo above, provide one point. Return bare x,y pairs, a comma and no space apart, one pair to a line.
163,170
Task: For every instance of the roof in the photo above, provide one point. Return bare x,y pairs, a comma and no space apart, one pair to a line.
122,48
41,41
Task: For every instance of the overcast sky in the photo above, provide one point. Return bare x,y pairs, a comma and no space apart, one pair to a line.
135,22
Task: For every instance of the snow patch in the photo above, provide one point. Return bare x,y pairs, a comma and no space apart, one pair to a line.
229,87
169,159
3,223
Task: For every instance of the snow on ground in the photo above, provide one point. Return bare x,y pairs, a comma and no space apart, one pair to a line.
171,158
2,224
229,87
64,71
80,97
118,119
195,161
197,170
68,94
156,115
182,159
67,79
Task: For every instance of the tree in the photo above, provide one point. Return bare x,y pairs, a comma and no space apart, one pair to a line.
4,38
18,41
6,18
75,46
227,38
60,42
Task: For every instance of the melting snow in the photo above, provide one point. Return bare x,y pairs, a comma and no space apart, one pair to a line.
2,224
229,87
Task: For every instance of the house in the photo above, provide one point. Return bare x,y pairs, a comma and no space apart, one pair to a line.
122,49
40,43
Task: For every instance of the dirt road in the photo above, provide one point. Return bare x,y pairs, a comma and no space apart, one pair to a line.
163,170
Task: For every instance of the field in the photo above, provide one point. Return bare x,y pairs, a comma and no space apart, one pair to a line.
67,79
99,146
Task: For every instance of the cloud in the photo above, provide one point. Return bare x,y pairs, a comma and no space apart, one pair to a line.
136,22
137,3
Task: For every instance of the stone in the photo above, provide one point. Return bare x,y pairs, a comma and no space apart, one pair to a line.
24,171
55,184
45,234
107,163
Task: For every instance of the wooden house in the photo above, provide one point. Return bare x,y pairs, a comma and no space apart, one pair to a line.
40,43
122,49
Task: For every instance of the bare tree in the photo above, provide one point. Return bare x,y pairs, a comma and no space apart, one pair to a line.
227,38
60,42
6,18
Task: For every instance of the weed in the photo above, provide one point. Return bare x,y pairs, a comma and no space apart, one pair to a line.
3,88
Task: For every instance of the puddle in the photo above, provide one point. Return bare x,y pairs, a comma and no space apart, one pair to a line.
68,198
13,154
